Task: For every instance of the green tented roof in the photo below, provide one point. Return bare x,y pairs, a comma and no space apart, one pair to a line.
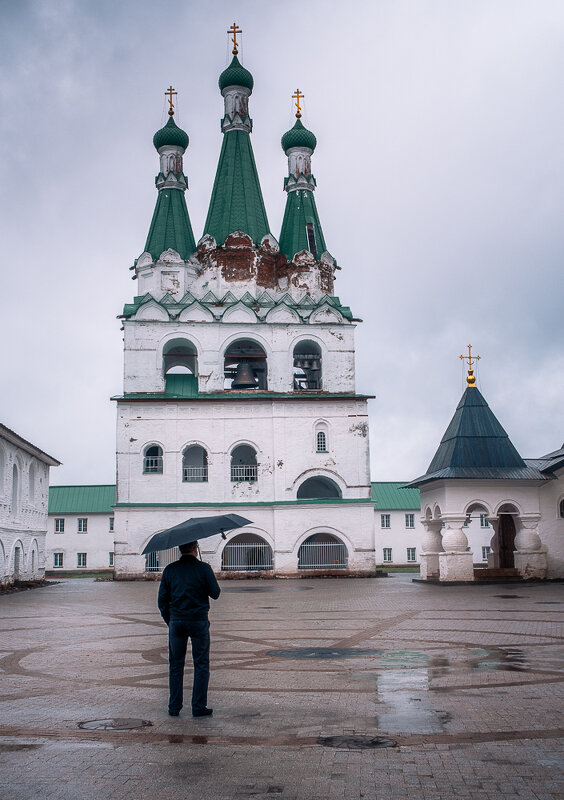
236,203
82,499
300,211
170,226
392,496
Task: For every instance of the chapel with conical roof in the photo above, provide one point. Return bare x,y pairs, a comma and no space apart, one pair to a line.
239,370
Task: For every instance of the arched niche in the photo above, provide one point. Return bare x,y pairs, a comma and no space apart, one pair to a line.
323,551
307,366
245,366
247,552
318,487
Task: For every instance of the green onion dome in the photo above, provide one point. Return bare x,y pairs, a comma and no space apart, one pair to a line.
170,134
236,75
298,136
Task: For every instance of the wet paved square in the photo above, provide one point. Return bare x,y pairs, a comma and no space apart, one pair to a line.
307,678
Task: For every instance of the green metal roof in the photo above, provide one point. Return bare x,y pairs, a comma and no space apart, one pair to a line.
392,496
236,203
251,394
170,226
300,211
170,134
82,499
181,386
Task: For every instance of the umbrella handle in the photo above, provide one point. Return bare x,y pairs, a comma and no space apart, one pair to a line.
223,536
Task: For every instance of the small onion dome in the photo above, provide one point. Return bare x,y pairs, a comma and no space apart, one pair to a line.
170,134
298,136
236,75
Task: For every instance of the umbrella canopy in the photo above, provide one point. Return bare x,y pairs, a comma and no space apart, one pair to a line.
193,529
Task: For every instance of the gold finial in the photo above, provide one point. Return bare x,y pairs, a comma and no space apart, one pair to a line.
234,29
297,96
170,91
470,379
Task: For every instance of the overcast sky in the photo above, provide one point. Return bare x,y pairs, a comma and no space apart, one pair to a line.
440,173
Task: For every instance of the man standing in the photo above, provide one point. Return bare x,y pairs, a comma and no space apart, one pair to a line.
186,586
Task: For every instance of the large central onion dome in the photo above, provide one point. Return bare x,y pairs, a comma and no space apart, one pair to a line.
171,134
298,136
236,75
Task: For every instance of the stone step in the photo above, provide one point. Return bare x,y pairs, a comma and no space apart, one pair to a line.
506,574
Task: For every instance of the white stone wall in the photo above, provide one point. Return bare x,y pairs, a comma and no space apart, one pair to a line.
24,488
144,342
97,542
551,526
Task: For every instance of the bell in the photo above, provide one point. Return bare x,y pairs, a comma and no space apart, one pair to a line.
305,364
315,365
244,377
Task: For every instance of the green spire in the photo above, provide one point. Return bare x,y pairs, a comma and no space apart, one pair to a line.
170,226
301,229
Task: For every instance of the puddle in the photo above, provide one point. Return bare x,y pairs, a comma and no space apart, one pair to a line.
323,652
247,589
405,694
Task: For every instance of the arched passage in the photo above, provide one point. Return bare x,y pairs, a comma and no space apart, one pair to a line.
323,551
506,535
247,552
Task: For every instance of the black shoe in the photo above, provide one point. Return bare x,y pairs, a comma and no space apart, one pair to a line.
173,713
205,712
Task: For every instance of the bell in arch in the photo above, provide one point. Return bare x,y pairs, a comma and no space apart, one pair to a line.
244,377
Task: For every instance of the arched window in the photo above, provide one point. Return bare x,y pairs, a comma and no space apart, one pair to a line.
180,368
153,460
307,367
561,508
322,551
2,468
15,489
246,552
245,366
244,464
321,442
195,464
318,487
32,483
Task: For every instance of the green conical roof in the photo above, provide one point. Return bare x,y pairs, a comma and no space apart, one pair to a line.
170,134
298,136
476,446
236,75
170,226
236,203
300,212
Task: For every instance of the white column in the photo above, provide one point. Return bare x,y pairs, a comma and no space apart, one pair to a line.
455,563
530,555
432,545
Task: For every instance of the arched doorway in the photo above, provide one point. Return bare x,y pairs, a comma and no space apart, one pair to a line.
323,551
506,538
247,552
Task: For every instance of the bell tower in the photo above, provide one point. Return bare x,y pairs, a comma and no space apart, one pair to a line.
239,380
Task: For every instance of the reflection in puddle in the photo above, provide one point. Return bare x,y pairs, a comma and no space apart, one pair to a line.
507,659
404,693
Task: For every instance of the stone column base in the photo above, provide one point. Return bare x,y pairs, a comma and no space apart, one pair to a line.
531,565
456,566
429,566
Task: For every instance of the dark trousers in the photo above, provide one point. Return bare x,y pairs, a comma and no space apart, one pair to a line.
179,631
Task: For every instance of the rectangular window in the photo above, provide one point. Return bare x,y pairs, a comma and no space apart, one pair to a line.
411,555
384,520
387,554
111,521
57,559
81,559
484,521
111,559
410,520
311,239
485,551
59,526
82,524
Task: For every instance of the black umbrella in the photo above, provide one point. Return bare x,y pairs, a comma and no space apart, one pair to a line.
192,530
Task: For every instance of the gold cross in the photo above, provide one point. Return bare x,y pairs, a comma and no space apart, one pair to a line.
234,29
470,380
297,96
170,91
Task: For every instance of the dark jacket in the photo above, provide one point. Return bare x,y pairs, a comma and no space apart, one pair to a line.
185,588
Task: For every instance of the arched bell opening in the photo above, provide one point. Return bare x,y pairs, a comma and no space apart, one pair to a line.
247,552
323,551
195,464
180,367
317,488
245,366
307,367
153,460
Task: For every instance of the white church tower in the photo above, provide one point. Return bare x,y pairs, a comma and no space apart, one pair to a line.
239,373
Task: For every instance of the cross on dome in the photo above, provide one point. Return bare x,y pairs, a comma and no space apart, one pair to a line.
297,97
234,29
470,379
170,92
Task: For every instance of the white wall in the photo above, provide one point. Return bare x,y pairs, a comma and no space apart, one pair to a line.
97,542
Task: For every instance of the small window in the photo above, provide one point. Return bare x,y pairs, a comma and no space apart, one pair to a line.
561,509
387,554
57,559
311,239
484,521
321,442
411,554
81,559
485,551
410,520
59,525
153,460
110,559
83,524
111,524
384,520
